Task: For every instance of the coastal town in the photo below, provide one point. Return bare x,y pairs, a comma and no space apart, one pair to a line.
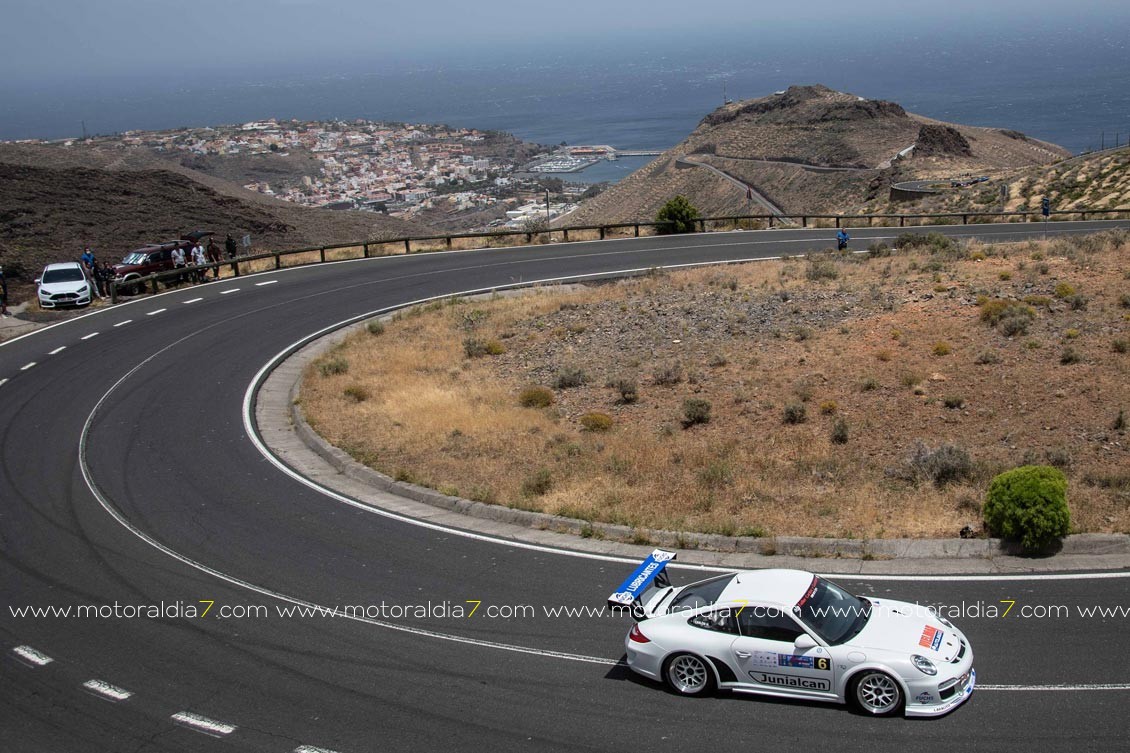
475,179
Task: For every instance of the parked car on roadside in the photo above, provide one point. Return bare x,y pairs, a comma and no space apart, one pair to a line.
156,257
64,284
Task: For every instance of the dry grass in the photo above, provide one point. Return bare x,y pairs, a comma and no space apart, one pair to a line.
455,423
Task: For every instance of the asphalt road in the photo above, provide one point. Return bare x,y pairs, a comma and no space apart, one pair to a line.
126,477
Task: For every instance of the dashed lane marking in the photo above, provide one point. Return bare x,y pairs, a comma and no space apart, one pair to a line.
87,337
122,324
203,724
31,656
229,290
105,690
193,300
268,282
58,350
27,366
154,313
312,749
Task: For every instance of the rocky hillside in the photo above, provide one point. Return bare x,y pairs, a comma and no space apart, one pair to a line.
55,201
810,149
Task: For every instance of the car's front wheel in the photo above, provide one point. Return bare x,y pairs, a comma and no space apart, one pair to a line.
877,693
688,674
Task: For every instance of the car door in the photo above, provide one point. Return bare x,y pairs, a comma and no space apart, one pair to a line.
766,655
712,633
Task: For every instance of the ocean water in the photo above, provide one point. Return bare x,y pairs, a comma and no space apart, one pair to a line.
1063,84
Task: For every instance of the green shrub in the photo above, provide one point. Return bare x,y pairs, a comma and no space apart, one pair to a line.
795,413
1028,505
667,375
537,484
987,356
868,383
840,431
1064,289
1120,346
570,376
953,402
596,422
356,393
331,366
475,347
1010,317
695,411
821,269
535,397
942,349
1069,356
1124,300
375,327
828,407
1077,302
628,390
941,465
679,216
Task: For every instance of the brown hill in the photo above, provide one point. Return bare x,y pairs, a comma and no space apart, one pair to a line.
54,201
809,149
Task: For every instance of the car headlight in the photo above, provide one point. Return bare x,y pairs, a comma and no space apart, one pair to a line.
923,665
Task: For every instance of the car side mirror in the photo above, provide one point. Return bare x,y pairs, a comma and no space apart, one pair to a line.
36,280
804,642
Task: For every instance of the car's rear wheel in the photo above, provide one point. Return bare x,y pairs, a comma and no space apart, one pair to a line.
688,674
877,693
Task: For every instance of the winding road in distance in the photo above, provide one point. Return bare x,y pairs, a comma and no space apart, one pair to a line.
127,477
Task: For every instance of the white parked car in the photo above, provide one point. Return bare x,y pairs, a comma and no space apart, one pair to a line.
793,634
64,284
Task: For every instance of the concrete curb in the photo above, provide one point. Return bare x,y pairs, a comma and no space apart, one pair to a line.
285,431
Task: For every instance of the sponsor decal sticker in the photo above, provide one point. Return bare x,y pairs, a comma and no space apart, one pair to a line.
931,638
924,698
791,681
804,662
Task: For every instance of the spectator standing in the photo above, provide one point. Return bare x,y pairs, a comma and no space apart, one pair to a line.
178,259
842,239
213,254
87,259
229,246
103,278
198,261
3,294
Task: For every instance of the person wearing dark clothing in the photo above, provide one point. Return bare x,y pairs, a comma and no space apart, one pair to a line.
842,239
103,277
213,255
3,294
229,247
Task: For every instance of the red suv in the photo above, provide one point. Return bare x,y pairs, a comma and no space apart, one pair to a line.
146,260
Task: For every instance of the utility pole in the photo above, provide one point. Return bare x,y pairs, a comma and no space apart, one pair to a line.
549,234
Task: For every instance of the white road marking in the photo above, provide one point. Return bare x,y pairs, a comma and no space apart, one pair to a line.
32,656
1110,686
203,724
105,690
122,324
268,282
193,300
3,381
87,337
154,313
229,290
58,350
312,749
27,366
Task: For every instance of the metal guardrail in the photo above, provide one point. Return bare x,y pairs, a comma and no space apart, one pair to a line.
404,245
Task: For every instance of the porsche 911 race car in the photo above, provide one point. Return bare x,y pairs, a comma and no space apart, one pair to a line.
793,634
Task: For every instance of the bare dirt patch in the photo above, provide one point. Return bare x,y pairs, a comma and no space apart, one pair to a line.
805,397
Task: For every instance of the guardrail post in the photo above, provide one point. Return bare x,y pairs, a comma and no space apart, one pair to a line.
407,246
902,220
364,250
770,220
235,268
155,285
602,232
837,221
804,220
322,254
964,219
702,226
448,240
1083,215
278,261
113,291
637,230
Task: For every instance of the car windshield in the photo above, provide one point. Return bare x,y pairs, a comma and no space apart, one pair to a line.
137,257
701,594
831,612
68,274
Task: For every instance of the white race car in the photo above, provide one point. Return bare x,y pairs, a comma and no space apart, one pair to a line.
792,634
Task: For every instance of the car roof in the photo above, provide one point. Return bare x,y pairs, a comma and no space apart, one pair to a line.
777,586
63,265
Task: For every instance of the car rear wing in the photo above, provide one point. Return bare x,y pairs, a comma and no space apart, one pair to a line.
652,570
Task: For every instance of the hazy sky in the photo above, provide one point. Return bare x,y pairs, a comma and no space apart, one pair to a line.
45,42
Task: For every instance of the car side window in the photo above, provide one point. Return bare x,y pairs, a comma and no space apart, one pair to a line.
718,621
767,623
